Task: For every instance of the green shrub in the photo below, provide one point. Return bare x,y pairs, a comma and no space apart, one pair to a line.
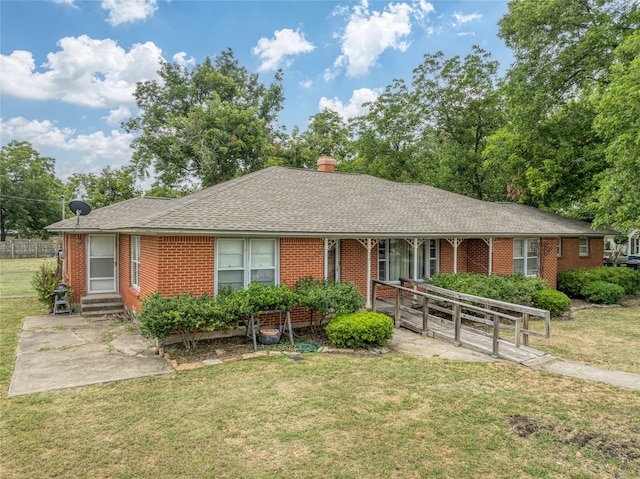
268,297
328,297
44,281
512,289
364,329
603,292
556,302
574,282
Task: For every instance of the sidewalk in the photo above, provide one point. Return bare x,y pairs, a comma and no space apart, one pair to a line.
409,342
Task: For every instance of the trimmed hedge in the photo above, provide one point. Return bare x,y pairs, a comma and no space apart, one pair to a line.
556,302
603,292
365,329
517,288
577,283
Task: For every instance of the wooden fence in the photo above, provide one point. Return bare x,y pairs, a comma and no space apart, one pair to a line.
33,248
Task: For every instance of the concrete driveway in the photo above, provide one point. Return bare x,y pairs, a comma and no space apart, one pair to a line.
63,351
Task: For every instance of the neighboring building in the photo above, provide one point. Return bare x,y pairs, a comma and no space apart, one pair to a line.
280,224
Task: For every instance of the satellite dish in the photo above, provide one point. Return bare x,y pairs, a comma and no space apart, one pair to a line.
80,208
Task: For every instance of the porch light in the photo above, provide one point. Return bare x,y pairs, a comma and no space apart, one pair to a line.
79,239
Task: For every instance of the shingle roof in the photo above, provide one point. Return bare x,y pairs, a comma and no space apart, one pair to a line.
294,202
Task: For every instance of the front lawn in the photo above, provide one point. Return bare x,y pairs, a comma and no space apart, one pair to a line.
607,337
341,416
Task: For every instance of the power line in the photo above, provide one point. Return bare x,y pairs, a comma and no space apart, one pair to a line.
29,199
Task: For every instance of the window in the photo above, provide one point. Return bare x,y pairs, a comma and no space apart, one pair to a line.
584,246
525,256
135,261
559,247
396,259
634,245
242,261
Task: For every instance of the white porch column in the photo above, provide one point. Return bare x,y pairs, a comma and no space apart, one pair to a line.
455,242
328,244
489,242
368,243
415,244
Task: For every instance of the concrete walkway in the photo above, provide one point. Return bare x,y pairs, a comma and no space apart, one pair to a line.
413,343
63,351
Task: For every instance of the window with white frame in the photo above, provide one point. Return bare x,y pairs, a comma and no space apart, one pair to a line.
396,259
584,246
559,252
241,261
634,245
525,256
135,261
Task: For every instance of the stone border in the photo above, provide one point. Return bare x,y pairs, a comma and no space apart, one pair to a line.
263,354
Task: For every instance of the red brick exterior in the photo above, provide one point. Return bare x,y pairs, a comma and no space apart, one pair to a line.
571,259
174,264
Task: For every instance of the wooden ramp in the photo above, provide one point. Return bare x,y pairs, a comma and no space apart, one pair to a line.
471,338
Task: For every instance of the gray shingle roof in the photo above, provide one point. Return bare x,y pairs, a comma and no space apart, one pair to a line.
294,202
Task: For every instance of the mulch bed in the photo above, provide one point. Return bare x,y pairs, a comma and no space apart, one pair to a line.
305,339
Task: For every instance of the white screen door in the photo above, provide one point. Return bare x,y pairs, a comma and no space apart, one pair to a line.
102,264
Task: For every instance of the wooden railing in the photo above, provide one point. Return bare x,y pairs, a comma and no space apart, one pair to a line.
438,304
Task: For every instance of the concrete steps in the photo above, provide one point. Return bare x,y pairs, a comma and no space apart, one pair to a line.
103,304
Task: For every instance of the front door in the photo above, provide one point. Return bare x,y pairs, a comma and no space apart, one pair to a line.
102,263
333,263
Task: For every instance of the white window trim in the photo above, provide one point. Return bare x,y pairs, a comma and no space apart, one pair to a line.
525,258
246,242
135,262
559,252
580,253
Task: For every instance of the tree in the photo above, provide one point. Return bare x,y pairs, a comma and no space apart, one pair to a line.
385,138
550,154
110,186
618,120
459,104
204,125
29,191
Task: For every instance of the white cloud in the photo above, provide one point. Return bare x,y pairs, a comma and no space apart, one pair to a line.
128,11
461,18
306,84
88,72
66,2
368,34
114,146
276,52
355,105
466,34
181,59
117,116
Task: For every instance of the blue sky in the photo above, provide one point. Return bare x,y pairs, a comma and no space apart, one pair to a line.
68,68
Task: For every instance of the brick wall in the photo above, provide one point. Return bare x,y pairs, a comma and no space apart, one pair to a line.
75,262
476,255
301,257
502,256
186,263
549,260
571,259
353,263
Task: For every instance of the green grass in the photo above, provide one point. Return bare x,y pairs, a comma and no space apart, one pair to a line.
16,274
607,337
337,416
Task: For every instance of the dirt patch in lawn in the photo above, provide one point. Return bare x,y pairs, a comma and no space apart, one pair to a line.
625,451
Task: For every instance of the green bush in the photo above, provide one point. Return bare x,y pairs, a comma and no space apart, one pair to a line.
603,292
44,281
268,297
574,282
328,297
517,288
554,301
364,329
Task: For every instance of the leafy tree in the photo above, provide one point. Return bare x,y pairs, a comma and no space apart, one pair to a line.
110,186
618,121
385,138
550,153
204,125
459,104
29,191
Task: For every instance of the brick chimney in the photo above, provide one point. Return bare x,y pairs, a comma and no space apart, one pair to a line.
327,163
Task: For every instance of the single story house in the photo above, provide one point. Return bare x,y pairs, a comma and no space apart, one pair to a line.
280,224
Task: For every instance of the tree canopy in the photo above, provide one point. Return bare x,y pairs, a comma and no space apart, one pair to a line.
206,124
30,193
110,186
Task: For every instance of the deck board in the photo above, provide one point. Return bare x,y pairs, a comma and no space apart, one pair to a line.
470,338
